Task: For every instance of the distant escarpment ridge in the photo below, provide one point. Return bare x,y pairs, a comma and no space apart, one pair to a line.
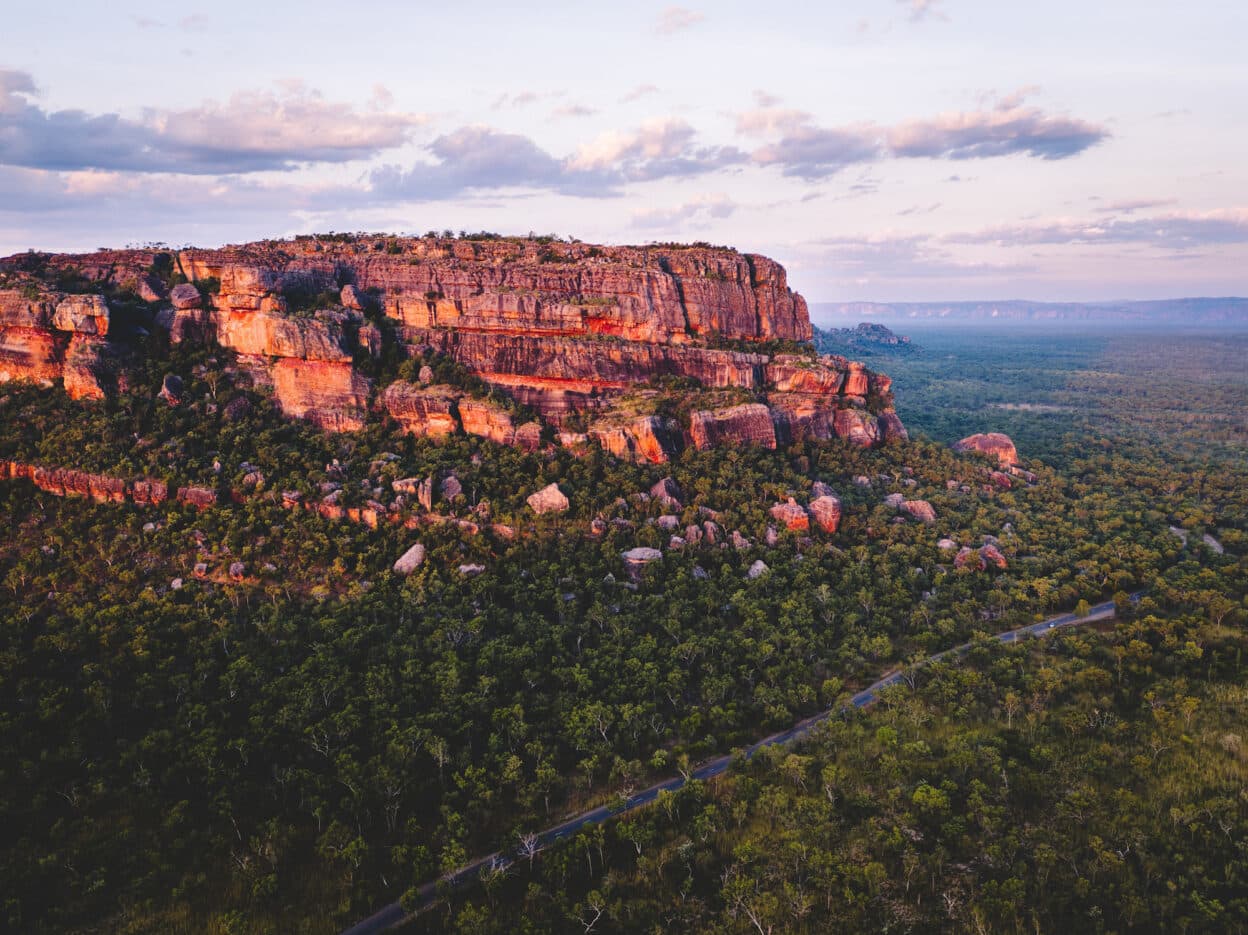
644,350
1193,311
867,338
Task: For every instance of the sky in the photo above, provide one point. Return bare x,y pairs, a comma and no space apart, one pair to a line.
891,150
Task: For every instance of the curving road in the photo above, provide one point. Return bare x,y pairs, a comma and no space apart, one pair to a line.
394,913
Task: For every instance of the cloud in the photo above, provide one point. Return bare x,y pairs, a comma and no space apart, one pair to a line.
769,120
637,93
479,158
717,205
1178,231
573,110
251,132
810,152
916,210
656,139
192,23
805,150
893,255
1004,130
661,148
675,18
922,9
1133,205
518,99
83,210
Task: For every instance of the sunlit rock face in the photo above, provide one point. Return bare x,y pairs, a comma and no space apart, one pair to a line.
992,443
572,330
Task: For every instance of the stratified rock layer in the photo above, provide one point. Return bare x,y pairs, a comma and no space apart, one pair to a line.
568,329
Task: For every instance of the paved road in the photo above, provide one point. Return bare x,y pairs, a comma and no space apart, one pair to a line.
394,913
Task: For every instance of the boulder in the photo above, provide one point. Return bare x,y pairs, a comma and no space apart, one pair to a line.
946,544
968,557
991,555
200,497
921,510
667,492
826,511
410,560
450,488
792,514
237,570
471,570
739,542
757,570
992,443
185,296
636,560
891,428
550,499
82,314
861,480
171,389
820,489
668,523
895,500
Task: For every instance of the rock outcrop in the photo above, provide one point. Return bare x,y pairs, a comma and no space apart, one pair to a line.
979,559
826,512
921,510
102,488
992,443
550,499
568,329
443,410
410,560
749,423
792,515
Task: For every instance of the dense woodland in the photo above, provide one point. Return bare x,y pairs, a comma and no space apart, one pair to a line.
285,752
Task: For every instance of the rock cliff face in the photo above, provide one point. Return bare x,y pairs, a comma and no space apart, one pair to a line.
45,336
66,482
565,328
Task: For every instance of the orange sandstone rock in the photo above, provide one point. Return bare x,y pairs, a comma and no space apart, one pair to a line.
993,443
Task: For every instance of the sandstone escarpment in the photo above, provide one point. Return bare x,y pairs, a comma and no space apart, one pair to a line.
568,329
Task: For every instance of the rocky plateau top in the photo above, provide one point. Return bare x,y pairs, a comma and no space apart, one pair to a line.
586,336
